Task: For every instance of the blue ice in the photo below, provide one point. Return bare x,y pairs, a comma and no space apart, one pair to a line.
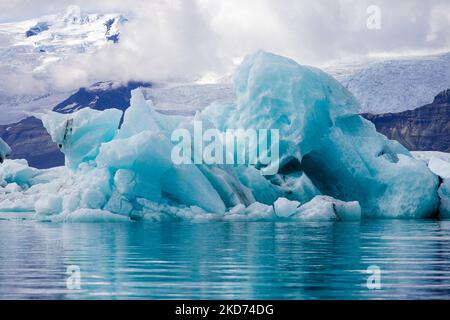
333,164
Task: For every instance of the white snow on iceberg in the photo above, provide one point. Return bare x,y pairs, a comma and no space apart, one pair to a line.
440,167
439,164
333,164
324,208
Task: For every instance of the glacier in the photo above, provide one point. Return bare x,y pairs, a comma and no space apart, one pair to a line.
334,166
396,83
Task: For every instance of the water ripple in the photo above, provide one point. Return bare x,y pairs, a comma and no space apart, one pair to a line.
241,260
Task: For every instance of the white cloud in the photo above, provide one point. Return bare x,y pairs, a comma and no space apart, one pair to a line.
164,39
178,38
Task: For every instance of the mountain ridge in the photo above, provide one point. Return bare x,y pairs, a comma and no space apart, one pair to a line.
425,128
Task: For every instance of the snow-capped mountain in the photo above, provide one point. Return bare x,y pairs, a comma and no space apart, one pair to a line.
54,36
394,85
29,47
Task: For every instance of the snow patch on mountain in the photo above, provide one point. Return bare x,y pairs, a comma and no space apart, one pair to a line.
29,48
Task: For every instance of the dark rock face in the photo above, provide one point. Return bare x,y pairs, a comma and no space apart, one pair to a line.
114,35
38,28
100,96
114,38
443,97
29,140
423,129
111,37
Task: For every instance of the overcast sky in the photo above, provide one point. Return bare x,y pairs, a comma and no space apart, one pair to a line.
170,37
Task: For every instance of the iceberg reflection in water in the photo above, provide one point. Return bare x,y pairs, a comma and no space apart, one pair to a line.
244,260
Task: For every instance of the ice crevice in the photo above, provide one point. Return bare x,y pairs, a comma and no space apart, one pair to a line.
334,166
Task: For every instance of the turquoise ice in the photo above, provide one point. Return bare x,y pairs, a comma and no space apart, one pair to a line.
324,137
333,164
4,150
444,194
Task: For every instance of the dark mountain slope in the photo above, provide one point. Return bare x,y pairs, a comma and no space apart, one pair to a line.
423,129
29,140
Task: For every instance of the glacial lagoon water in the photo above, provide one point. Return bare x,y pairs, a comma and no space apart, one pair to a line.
240,260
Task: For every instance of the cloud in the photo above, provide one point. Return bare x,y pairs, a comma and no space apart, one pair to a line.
163,40
181,38
315,32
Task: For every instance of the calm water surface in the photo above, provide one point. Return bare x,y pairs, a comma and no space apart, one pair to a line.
242,260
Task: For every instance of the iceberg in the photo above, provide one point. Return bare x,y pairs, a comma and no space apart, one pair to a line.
5,150
439,164
79,135
444,194
255,212
323,137
21,186
324,208
285,208
440,167
333,165
426,156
